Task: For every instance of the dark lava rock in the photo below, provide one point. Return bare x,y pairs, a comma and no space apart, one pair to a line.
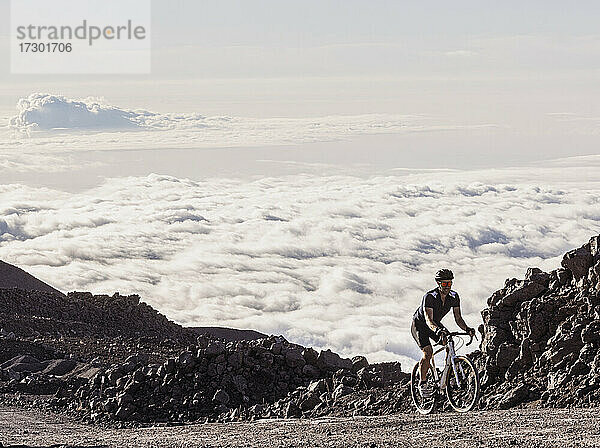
542,336
514,397
59,367
221,397
24,363
359,362
578,261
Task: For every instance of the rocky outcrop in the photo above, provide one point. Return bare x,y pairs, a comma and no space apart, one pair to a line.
10,347
377,389
82,314
217,380
30,375
78,348
541,335
228,334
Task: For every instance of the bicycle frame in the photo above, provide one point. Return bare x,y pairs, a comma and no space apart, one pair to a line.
465,379
450,361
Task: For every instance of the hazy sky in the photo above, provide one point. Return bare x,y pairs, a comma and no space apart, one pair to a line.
530,69
264,58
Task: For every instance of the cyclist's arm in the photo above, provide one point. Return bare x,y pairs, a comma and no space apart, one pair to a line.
429,319
459,319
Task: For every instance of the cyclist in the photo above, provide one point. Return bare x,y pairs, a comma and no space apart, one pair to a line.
427,324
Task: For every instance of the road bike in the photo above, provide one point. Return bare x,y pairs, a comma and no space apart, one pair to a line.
459,380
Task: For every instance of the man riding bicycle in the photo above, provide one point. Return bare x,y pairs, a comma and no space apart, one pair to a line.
427,325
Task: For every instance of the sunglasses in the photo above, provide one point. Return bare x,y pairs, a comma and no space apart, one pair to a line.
445,283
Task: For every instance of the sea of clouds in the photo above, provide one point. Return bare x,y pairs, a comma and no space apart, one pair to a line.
327,261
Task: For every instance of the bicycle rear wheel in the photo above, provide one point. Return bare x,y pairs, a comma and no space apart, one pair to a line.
424,405
463,395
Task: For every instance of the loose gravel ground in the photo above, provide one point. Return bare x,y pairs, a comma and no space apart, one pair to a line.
518,427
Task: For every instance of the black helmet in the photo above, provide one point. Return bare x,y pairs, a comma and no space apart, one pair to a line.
444,274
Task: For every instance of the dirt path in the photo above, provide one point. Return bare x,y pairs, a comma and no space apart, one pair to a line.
531,428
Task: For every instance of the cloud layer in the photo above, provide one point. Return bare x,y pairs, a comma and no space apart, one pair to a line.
328,261
50,123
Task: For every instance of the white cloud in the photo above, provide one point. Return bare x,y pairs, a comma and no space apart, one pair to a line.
49,112
328,261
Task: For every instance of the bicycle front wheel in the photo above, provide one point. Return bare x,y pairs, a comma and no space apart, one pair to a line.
423,405
464,393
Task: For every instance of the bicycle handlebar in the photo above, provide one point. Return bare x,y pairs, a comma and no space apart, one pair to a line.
462,333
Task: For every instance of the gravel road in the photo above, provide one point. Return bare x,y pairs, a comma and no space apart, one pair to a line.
518,427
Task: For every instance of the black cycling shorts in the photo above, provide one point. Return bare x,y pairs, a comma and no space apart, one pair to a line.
422,335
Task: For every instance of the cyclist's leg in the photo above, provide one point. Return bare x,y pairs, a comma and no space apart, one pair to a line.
425,361
421,337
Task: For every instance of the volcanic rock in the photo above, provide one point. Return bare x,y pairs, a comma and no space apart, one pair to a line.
542,336
59,367
23,363
330,361
221,397
359,362
578,261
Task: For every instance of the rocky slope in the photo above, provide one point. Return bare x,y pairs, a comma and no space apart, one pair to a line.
542,335
74,353
217,380
82,314
114,359
89,327
228,334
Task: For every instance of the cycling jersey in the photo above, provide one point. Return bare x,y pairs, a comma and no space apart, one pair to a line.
432,299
